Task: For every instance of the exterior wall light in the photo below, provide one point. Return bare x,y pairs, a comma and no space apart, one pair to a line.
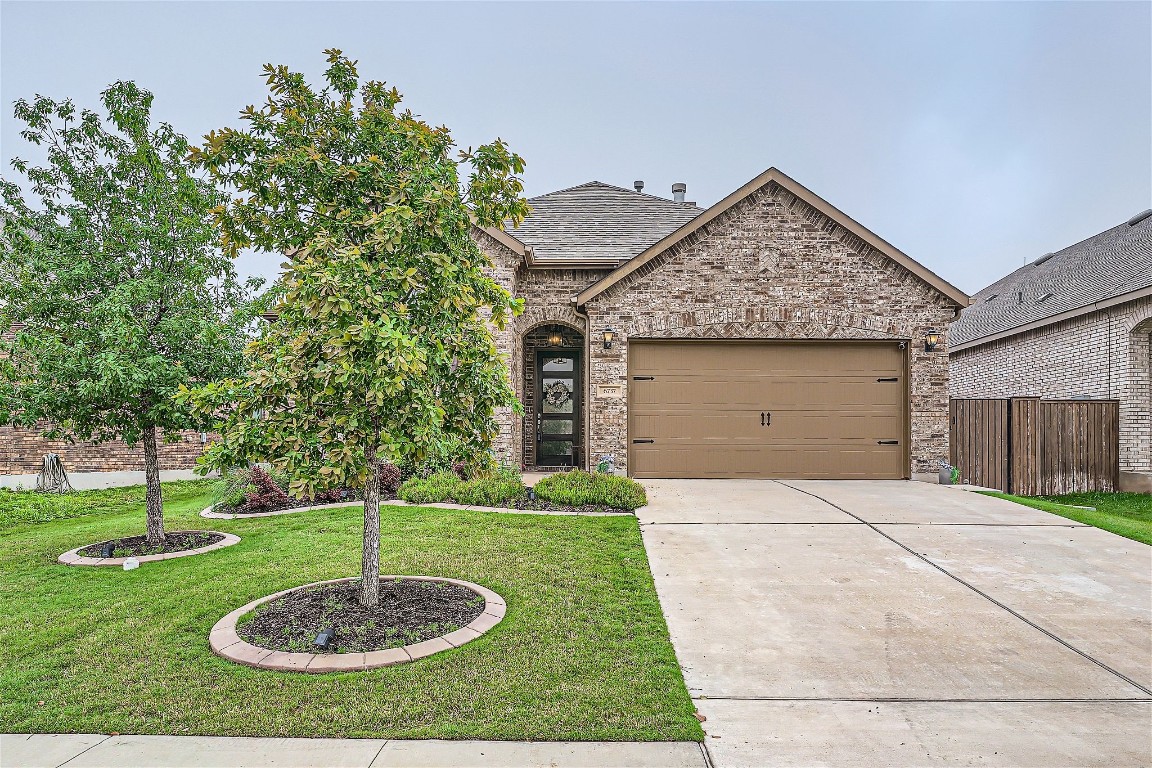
931,340
555,339
609,337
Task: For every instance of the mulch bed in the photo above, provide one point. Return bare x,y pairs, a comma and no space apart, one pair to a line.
539,505
136,546
290,504
409,612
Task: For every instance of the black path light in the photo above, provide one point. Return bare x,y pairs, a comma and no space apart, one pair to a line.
324,639
108,548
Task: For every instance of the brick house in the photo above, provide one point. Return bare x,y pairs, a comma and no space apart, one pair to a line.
1074,324
770,335
22,451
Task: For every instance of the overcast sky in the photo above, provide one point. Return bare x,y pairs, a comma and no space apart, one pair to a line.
971,135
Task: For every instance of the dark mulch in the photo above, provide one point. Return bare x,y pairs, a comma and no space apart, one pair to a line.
548,506
290,504
409,612
135,546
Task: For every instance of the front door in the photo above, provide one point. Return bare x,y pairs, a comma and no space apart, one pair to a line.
558,408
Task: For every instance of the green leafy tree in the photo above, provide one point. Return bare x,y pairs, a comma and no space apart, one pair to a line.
380,348
113,280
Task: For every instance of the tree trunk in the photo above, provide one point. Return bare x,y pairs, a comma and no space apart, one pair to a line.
370,563
155,503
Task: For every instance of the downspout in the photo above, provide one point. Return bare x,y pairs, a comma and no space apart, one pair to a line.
586,449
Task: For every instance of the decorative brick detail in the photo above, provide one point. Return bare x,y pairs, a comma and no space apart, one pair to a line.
22,453
773,268
1100,355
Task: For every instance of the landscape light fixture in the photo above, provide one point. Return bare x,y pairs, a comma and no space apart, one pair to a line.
324,639
931,340
531,494
609,337
108,548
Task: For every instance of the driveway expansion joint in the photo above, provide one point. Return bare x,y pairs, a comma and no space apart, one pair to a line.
969,585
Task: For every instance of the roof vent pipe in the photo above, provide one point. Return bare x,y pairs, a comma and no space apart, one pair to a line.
1139,217
638,186
678,191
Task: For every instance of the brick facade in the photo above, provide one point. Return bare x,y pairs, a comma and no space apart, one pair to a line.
1101,355
771,267
22,453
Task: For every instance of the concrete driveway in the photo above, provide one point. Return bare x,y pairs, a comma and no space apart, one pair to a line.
885,623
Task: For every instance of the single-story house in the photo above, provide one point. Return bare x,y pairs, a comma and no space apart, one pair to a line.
768,336
1073,324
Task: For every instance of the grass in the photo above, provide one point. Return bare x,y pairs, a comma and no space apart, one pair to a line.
27,507
583,652
1125,514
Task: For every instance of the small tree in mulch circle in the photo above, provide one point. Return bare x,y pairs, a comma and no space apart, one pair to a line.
113,281
381,347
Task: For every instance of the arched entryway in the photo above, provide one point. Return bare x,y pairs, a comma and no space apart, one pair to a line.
553,396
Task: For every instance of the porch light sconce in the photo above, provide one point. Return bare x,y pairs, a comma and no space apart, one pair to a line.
931,340
609,337
555,339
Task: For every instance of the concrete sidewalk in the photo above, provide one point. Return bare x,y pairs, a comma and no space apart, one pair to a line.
99,751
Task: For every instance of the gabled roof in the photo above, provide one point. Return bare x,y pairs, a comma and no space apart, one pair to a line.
1108,268
773,175
598,223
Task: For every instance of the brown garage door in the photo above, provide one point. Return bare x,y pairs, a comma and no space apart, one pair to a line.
767,409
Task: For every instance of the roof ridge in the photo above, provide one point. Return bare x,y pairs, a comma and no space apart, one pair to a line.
605,185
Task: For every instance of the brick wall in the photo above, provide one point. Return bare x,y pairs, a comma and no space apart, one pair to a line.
773,268
22,453
1100,355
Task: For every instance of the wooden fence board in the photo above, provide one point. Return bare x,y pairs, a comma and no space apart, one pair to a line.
1032,447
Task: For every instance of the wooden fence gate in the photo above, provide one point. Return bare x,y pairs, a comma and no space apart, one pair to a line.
1032,447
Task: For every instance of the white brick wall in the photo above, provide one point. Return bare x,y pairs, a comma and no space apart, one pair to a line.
1102,355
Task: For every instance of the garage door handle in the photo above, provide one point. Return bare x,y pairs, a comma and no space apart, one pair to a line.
644,441
765,418
891,378
643,378
888,442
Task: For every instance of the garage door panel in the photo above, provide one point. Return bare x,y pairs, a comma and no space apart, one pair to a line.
812,410
786,426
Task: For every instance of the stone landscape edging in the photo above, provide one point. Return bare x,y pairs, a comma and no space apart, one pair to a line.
226,643
211,513
73,556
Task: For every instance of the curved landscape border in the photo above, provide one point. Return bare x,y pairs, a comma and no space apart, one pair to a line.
211,512
73,556
226,643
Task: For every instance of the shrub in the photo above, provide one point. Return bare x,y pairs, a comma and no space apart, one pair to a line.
492,489
266,494
438,486
577,488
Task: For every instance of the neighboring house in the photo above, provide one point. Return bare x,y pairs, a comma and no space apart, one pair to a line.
770,335
1072,324
22,451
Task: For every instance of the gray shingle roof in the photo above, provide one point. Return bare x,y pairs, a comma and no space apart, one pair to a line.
1112,263
597,221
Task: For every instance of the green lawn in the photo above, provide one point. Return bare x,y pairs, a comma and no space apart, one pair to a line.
583,652
1125,514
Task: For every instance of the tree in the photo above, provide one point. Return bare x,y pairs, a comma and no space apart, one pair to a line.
380,348
113,281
